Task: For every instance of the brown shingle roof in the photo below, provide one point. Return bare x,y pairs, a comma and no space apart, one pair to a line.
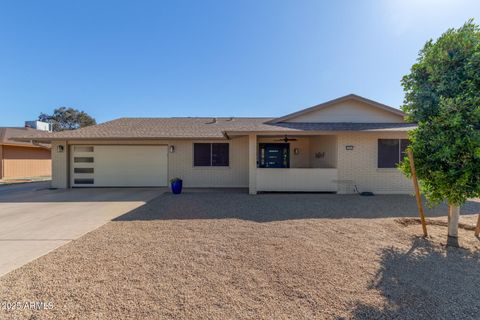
7,135
167,128
156,128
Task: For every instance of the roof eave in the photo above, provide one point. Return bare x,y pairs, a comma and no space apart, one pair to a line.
49,140
30,145
314,132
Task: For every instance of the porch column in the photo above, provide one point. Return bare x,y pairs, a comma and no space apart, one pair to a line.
252,164
1,162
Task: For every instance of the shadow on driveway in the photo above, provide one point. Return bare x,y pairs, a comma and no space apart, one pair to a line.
41,192
278,207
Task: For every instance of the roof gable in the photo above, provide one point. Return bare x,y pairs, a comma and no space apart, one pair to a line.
347,109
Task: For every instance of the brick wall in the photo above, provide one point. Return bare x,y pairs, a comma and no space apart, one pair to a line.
360,165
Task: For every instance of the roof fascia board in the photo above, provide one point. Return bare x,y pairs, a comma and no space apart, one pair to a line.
312,132
121,138
24,145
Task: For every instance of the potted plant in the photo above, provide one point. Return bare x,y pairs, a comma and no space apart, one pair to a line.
176,185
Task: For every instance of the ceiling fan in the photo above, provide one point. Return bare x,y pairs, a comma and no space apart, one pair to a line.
286,139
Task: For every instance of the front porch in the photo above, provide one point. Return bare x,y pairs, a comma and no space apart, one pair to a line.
297,163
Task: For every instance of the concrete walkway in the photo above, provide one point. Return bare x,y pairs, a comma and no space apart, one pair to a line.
35,220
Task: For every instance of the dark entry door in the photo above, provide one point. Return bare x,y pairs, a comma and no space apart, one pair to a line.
274,155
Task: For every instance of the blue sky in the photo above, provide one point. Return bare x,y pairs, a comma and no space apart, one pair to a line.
209,58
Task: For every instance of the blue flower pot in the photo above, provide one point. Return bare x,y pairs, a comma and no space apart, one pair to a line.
177,186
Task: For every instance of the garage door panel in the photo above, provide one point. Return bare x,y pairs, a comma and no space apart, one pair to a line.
125,166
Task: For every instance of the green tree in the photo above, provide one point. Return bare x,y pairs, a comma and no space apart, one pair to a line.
442,94
67,119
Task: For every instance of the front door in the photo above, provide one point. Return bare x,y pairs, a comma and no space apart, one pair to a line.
274,155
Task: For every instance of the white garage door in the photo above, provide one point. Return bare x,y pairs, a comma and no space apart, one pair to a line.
118,166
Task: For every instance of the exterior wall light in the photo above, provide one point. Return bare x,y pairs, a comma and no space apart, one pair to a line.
172,148
348,147
60,148
296,151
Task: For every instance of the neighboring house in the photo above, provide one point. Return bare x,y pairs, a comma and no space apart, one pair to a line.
347,144
23,159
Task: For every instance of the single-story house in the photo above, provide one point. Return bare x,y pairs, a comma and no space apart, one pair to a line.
23,159
345,145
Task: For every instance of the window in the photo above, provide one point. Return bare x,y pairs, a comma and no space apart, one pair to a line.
82,170
211,154
202,154
83,148
83,181
391,152
83,159
220,156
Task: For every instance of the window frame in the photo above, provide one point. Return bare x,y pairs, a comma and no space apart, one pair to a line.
83,181
86,170
194,152
79,148
220,145
211,147
400,155
84,159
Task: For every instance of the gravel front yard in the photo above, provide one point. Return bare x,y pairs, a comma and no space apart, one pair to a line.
221,255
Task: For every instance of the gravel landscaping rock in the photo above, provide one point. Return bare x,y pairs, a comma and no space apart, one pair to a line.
217,255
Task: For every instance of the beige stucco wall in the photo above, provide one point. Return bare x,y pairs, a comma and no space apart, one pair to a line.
59,165
1,162
180,163
360,165
326,145
235,175
25,162
349,111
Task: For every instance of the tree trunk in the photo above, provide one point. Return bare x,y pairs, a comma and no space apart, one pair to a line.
477,229
453,217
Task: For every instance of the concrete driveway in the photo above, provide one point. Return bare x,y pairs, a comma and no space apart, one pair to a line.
35,220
